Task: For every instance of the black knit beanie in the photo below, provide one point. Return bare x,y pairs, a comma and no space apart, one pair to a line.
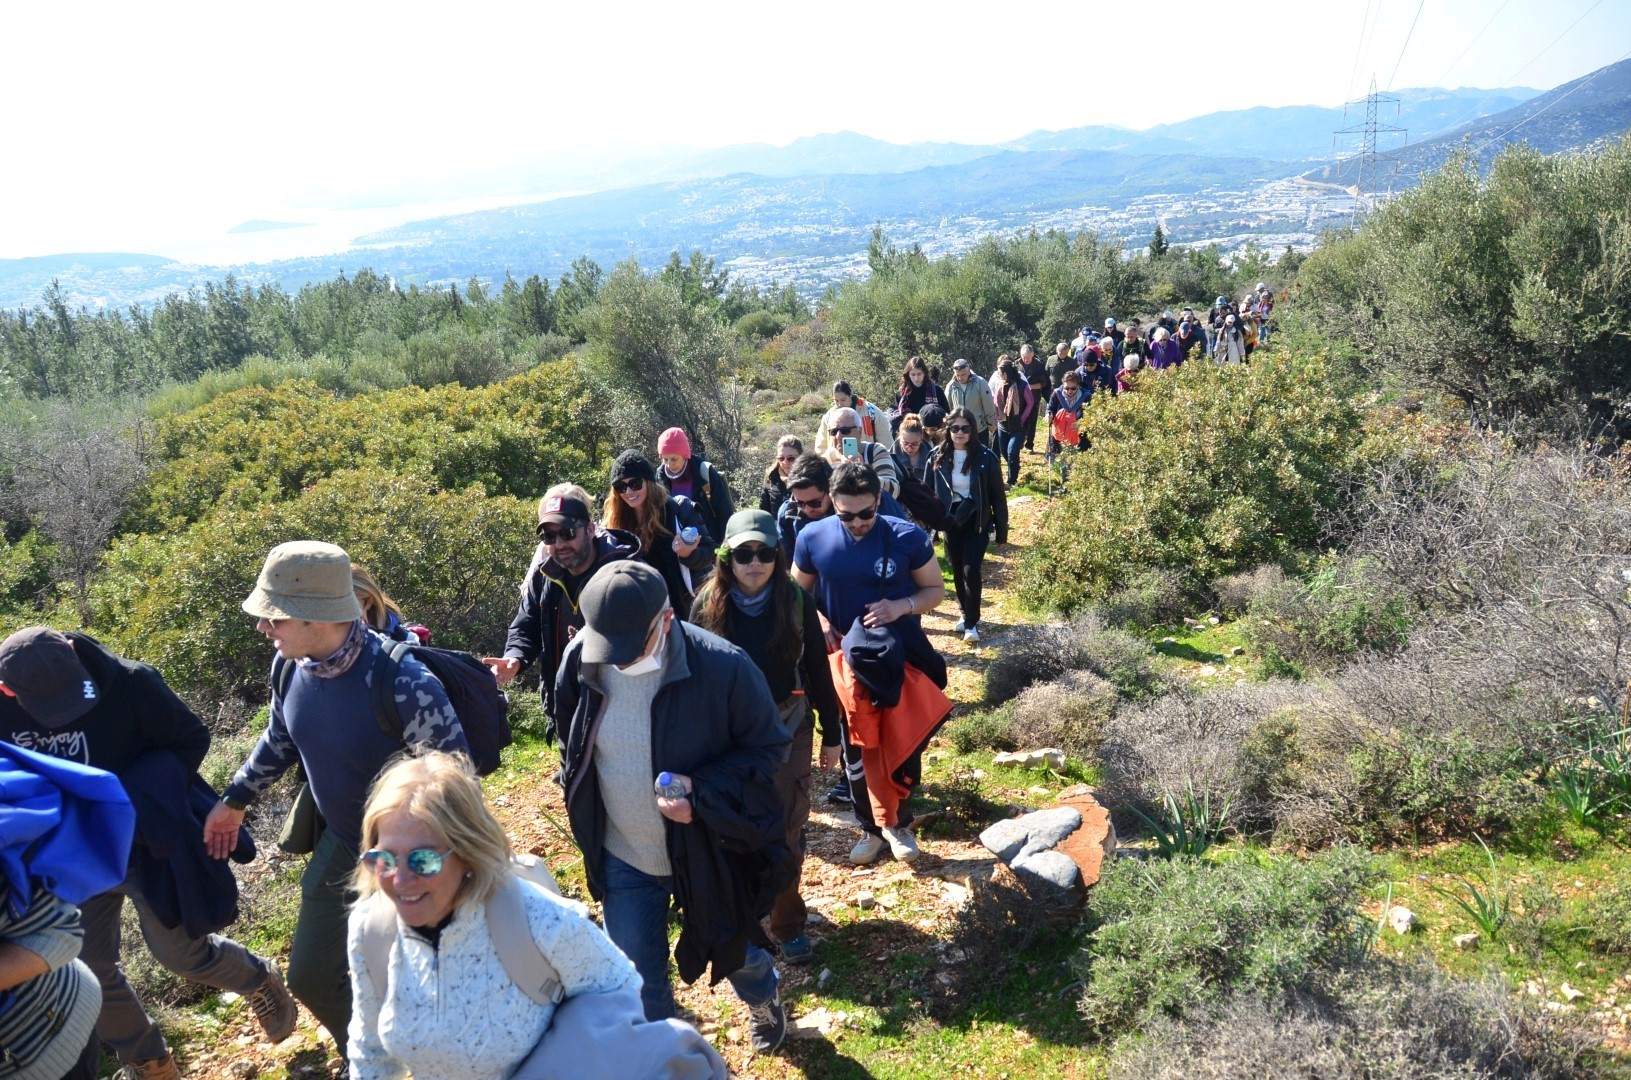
631,464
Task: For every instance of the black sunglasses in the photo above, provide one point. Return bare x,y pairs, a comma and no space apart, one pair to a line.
840,430
810,504
552,535
960,429
424,862
633,483
858,515
742,556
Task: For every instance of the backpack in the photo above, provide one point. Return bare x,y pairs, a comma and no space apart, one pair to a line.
865,414
507,926
481,706
1063,428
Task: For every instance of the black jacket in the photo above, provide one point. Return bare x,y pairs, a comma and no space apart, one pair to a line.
915,398
985,488
682,512
772,493
711,495
712,720
549,616
138,713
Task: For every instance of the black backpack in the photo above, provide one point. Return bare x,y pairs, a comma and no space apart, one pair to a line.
482,708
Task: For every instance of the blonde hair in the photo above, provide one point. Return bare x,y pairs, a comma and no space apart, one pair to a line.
372,597
912,422
567,491
440,791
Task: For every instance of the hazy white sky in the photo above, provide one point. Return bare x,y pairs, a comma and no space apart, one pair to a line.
135,124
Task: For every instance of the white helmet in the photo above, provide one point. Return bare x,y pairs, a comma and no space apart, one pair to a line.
1262,287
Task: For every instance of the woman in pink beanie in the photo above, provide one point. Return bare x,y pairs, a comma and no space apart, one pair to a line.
683,474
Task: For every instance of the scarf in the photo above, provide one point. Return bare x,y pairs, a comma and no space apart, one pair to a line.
751,606
340,663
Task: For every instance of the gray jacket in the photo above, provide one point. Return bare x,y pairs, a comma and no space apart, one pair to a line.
975,396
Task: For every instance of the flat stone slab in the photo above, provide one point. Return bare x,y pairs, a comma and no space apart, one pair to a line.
1094,841
1035,832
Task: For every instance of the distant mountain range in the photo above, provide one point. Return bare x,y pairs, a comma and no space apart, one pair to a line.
801,213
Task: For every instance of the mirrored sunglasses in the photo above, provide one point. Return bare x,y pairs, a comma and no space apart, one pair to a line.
424,862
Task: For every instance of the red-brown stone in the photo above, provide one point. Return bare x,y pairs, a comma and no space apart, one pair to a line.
1095,841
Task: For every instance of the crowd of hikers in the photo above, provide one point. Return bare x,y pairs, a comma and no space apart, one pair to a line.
688,654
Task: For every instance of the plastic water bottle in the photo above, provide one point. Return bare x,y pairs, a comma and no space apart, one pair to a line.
690,535
668,787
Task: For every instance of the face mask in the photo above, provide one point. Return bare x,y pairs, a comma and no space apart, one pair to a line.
654,662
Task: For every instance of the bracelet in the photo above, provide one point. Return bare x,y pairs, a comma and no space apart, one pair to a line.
235,804
911,605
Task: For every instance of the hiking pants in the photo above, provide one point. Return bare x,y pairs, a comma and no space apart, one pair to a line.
788,915
319,973
908,775
1030,421
212,960
965,550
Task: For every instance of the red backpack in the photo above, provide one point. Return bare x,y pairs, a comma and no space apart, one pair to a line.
1063,428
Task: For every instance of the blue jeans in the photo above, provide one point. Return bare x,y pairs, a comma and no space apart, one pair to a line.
636,908
1008,449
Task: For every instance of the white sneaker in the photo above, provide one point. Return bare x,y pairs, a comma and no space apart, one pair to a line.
971,635
867,851
958,629
902,844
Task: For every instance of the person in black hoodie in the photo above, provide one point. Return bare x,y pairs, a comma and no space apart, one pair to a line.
571,547
752,601
917,389
70,696
774,491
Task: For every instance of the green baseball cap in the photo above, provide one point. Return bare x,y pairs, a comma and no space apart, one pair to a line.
745,525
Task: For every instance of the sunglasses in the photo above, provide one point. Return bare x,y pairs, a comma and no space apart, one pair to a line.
810,504
787,457
552,536
633,483
858,515
743,556
840,430
424,862
960,429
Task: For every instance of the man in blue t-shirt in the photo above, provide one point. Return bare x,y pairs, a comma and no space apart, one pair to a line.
860,564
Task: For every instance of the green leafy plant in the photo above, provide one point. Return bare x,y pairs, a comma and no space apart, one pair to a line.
1486,901
1577,790
1188,826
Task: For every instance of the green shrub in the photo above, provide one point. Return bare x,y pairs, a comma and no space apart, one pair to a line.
1321,622
1071,713
1154,597
1169,936
1608,918
25,572
1203,471
1407,782
1042,652
987,729
1234,592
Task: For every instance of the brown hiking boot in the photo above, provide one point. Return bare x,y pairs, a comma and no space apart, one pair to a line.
274,1007
163,1068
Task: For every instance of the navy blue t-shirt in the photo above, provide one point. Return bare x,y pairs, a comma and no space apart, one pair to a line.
849,570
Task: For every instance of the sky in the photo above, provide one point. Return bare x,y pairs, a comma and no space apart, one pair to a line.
142,126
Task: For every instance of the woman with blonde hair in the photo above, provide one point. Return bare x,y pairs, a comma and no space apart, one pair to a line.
674,541
463,964
381,612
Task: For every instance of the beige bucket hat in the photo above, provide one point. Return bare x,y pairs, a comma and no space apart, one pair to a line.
305,579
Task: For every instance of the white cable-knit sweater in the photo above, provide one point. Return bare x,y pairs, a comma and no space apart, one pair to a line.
451,1012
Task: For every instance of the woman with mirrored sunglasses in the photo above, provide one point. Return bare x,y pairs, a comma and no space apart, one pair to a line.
968,481
674,540
446,1005
752,601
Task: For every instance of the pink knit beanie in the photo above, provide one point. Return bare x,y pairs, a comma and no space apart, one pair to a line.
673,441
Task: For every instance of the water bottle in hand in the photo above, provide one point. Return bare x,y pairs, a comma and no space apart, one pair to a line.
690,535
668,787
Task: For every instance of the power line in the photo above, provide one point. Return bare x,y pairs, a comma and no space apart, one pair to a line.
1578,86
1408,35
1443,79
1359,48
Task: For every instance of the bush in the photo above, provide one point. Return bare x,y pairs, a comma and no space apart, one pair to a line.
1042,652
1408,783
1072,713
1171,935
987,729
1234,592
1201,472
1155,597
1335,614
1404,1023
1609,919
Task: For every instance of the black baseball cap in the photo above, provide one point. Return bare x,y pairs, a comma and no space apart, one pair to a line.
562,510
619,605
40,667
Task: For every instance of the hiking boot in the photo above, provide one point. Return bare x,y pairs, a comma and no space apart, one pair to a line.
972,636
868,850
840,794
798,950
902,844
274,1007
163,1068
769,1025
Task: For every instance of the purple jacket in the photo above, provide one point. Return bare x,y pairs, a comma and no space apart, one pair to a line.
1165,354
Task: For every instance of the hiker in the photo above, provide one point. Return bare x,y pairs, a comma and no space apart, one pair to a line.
1248,328
774,491
1063,360
1095,374
65,834
968,480
917,391
753,603
1035,371
69,696
1230,346
871,424
644,696
1064,420
807,499
442,920
1265,309
1015,407
911,449
380,612
325,719
1127,377
970,392
1164,351
934,419
875,455
1133,344
1114,336
1189,335
1221,309
695,479
571,547
673,538
868,570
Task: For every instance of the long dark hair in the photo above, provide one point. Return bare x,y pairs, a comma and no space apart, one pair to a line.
712,609
948,450
906,387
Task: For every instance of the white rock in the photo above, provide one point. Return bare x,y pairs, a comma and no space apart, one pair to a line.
1402,919
1468,942
824,978
1213,620
814,918
956,895
1055,759
866,901
1570,993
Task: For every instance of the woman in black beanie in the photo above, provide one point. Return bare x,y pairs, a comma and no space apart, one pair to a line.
663,522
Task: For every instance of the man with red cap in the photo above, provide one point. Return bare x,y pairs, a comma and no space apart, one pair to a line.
69,696
683,474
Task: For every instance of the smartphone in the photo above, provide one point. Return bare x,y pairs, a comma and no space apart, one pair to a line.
852,448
